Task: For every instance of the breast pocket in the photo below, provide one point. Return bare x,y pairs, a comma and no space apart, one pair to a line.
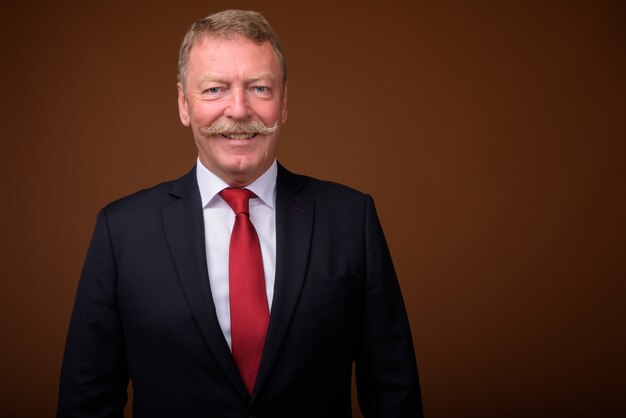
318,288
328,312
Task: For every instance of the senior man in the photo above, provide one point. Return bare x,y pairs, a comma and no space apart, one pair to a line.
240,289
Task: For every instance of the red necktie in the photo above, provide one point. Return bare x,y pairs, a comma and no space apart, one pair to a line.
249,313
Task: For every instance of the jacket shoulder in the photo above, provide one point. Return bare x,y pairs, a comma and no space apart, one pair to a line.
150,200
318,189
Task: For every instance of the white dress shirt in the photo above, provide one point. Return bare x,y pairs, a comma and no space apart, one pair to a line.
219,219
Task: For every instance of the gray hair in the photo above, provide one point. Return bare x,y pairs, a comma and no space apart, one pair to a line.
227,24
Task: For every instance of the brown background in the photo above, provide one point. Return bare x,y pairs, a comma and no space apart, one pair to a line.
491,135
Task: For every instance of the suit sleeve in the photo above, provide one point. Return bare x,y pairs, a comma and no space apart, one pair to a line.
385,367
94,377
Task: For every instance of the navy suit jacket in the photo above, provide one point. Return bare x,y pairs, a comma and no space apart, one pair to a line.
144,312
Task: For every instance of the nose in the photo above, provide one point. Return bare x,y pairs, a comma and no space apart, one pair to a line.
238,106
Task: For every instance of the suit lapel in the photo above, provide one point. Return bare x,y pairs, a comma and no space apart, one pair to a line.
184,228
294,223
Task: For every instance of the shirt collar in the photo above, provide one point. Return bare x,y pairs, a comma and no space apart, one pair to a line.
210,185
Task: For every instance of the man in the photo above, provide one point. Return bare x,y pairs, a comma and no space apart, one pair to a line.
240,289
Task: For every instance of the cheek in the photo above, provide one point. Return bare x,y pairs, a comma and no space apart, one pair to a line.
269,112
204,115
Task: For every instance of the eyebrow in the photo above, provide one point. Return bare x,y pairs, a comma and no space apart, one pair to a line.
260,76
211,78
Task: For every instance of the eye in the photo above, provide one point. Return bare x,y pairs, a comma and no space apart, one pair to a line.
213,92
264,90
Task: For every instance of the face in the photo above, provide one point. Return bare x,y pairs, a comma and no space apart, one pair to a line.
233,80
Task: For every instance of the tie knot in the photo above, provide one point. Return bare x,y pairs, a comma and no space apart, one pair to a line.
237,199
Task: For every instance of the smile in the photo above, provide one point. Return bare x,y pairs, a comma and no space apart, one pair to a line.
239,136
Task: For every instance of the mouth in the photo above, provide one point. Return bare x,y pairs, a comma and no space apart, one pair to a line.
238,136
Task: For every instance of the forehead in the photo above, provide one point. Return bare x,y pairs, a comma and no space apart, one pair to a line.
232,54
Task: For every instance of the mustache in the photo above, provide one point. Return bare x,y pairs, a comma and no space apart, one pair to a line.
229,127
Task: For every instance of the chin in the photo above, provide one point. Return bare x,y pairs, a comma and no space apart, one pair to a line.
238,169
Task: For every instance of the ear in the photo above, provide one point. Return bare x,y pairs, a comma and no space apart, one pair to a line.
183,110
284,105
